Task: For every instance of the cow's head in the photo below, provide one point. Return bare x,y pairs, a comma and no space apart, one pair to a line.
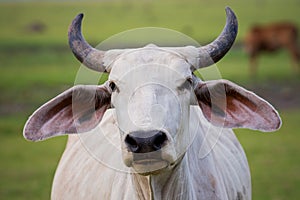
151,90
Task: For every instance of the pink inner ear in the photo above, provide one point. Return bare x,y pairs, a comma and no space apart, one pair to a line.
77,110
226,104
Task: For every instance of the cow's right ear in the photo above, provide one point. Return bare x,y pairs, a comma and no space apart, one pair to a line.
76,110
228,105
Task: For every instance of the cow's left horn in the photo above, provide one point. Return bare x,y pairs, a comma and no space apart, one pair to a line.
85,53
213,52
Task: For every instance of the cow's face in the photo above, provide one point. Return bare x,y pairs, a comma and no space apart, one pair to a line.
152,89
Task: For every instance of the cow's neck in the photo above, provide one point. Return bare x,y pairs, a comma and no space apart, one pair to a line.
171,184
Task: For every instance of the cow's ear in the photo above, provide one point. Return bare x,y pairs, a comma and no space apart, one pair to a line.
226,104
76,110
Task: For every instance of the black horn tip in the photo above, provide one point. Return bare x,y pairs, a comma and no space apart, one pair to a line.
79,17
232,20
75,37
82,50
228,10
77,20
216,50
75,25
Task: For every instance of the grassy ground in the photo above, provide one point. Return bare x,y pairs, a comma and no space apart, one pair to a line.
37,66
274,160
27,169
200,19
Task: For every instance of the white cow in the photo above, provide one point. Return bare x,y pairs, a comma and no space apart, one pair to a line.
154,130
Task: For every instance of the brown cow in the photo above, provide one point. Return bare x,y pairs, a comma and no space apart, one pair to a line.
270,38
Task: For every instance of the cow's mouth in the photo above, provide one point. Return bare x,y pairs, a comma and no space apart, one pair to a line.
149,166
151,162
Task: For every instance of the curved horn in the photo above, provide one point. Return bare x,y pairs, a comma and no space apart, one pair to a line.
213,52
85,53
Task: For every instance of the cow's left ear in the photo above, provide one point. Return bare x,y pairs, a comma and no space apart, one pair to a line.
226,104
76,110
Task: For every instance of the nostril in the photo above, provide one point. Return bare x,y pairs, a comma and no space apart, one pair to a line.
159,140
145,142
131,143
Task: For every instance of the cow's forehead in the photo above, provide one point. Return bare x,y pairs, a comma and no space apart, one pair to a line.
149,58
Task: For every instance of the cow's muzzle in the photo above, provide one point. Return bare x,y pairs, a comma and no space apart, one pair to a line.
145,141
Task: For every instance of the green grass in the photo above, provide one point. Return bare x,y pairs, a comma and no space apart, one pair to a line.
37,66
26,168
271,67
200,19
274,159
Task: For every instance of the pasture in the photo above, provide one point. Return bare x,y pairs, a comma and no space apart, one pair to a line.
37,65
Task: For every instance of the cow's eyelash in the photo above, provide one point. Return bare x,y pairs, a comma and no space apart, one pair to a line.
190,80
112,86
186,84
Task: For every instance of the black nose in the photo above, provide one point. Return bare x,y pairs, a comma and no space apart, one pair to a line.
145,142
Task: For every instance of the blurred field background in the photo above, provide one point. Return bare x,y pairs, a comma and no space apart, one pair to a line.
36,65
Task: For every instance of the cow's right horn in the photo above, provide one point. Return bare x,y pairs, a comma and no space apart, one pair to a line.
85,53
213,52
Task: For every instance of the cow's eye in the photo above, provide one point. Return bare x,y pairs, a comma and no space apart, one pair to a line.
190,80
112,86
